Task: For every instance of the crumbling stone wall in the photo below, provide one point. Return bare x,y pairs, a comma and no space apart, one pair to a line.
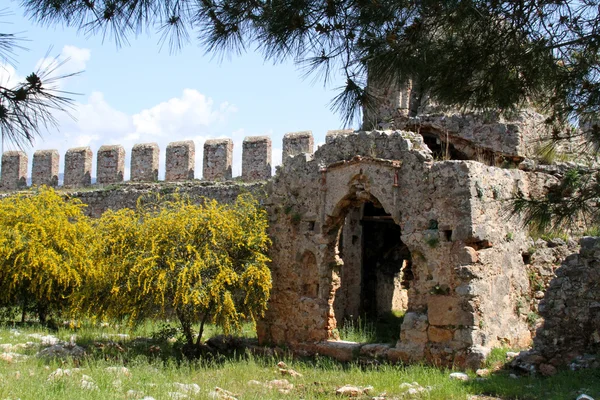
466,256
571,308
256,158
144,162
126,195
111,164
14,170
45,168
469,264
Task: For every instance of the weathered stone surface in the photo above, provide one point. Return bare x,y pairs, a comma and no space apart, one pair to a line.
78,167
295,143
144,162
375,350
339,350
218,156
45,166
371,223
571,309
445,310
126,195
256,158
180,161
436,334
111,164
14,170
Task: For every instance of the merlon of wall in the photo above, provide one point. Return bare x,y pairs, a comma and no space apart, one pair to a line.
256,158
111,164
218,157
295,143
78,167
45,168
14,170
144,162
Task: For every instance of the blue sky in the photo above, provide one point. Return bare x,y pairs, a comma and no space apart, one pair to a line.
139,93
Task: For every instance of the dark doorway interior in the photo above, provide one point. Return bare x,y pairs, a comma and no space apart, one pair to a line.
376,273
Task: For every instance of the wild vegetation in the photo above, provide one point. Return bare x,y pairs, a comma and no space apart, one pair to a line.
169,258
122,363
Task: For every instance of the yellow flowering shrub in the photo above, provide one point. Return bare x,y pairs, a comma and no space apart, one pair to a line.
173,258
43,251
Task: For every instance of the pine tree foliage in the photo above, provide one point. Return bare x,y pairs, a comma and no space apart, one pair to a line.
43,251
478,54
171,258
473,54
30,106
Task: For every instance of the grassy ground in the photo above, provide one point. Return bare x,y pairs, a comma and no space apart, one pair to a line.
154,368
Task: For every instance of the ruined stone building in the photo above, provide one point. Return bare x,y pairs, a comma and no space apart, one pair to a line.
413,221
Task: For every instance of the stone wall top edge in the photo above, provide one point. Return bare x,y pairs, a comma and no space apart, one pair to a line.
14,153
253,139
79,149
299,134
109,147
181,143
145,145
45,152
219,141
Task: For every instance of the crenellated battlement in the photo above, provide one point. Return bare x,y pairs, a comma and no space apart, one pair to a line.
144,163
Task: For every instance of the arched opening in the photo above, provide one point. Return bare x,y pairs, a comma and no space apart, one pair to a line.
375,275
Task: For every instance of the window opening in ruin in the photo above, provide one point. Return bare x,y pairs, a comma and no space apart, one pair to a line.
448,235
441,149
376,274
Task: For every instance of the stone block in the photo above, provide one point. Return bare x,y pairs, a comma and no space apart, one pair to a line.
446,310
45,168
218,157
331,135
110,167
256,158
14,170
144,162
339,350
295,143
406,353
414,328
78,167
375,350
180,161
440,335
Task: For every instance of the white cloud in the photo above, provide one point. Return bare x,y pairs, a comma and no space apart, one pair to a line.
191,116
8,76
188,114
94,122
70,60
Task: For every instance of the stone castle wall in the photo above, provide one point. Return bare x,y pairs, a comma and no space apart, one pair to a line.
468,274
144,167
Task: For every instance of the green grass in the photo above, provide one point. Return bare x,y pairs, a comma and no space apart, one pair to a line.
384,329
153,375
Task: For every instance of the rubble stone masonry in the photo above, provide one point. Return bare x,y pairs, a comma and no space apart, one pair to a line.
78,167
256,158
450,259
144,162
180,161
218,157
14,170
111,164
45,168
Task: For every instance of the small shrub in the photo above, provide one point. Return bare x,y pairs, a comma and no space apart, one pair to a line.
432,241
532,319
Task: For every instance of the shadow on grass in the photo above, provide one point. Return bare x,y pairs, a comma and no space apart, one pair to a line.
566,384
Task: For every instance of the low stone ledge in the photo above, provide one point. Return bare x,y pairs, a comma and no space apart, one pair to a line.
339,350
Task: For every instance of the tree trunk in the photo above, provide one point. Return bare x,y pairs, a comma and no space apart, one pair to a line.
204,318
186,326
